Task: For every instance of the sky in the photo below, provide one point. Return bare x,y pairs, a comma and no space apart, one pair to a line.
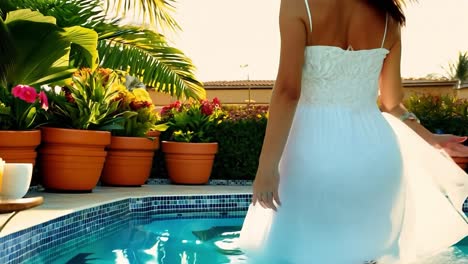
221,35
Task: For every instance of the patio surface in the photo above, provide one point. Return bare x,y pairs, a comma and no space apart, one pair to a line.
59,204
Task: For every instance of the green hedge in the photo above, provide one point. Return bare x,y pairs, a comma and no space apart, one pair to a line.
441,114
240,139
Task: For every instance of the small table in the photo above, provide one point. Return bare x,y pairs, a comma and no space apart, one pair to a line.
18,205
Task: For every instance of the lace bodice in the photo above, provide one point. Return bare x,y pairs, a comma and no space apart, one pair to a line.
334,76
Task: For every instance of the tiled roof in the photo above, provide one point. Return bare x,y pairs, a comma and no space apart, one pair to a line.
270,83
426,82
235,84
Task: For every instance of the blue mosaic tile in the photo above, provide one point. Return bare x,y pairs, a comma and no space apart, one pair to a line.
149,206
159,181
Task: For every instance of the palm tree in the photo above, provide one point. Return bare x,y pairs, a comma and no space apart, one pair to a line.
459,70
144,53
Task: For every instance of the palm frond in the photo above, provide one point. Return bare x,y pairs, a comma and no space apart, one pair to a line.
459,69
131,48
159,66
153,12
67,12
86,13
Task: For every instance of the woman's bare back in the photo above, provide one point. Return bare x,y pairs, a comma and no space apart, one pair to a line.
346,24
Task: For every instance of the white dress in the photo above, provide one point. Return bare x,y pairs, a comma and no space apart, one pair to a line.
356,185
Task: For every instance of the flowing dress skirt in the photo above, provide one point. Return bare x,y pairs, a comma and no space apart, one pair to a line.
357,185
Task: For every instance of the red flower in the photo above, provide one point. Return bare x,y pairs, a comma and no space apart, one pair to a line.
216,102
43,100
207,108
25,93
165,110
177,104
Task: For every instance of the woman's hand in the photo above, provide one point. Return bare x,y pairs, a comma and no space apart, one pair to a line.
451,144
265,189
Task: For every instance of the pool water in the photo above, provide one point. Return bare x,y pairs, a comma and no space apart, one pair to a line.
165,242
186,241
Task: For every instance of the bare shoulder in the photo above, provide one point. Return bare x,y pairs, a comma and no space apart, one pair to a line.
293,7
293,10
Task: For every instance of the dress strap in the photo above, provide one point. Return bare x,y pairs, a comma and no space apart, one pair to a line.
385,32
308,13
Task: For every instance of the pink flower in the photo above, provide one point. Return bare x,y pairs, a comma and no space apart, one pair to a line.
43,100
25,93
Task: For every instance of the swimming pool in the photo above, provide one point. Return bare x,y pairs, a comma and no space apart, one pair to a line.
167,229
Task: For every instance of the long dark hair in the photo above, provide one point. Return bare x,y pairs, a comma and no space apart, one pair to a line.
392,7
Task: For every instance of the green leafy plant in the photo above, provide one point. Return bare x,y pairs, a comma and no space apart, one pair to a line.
87,101
21,106
138,111
194,121
36,51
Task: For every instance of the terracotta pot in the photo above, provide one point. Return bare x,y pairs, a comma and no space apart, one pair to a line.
72,159
462,162
153,133
189,163
129,161
19,146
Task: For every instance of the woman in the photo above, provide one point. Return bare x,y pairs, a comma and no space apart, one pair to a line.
338,181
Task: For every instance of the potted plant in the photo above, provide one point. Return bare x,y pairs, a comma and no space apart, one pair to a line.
190,149
130,153
20,110
80,116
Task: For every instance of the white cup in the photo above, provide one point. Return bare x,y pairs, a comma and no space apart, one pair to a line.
16,180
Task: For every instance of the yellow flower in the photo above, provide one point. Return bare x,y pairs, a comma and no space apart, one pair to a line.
142,95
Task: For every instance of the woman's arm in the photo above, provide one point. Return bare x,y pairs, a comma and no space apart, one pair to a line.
391,96
283,102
